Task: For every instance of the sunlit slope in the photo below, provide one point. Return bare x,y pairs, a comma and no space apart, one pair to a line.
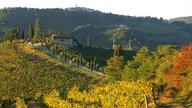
26,72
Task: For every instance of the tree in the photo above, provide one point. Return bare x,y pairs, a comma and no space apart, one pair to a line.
31,32
10,35
180,75
22,35
18,33
94,63
140,67
37,31
118,51
115,66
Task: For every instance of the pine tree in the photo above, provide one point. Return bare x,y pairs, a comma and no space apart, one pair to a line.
37,31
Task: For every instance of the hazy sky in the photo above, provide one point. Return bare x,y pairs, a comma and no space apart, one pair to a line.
155,8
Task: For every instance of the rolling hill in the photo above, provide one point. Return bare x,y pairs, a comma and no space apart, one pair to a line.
101,28
183,19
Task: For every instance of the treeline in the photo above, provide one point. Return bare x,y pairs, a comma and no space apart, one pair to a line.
168,69
14,34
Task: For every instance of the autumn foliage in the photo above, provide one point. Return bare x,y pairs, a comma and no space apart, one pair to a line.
179,75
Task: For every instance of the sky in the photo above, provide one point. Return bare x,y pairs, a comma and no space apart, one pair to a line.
155,8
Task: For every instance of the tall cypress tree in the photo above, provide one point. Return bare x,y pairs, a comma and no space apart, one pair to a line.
78,60
22,34
37,31
31,32
18,36
118,51
94,63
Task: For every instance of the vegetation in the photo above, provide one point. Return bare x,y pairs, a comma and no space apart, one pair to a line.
31,74
31,32
53,75
14,34
37,31
28,73
187,20
98,27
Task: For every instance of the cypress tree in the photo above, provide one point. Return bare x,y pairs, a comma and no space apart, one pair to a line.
78,60
65,56
31,32
18,35
37,31
94,63
91,65
22,34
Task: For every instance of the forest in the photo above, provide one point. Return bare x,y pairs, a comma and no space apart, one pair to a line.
99,27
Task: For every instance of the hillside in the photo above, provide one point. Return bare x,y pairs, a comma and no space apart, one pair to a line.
29,73
32,78
101,28
184,19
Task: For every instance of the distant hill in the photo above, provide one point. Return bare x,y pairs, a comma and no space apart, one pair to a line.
101,28
184,19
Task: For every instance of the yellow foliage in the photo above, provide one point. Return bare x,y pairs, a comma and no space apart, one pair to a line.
120,94
53,100
20,103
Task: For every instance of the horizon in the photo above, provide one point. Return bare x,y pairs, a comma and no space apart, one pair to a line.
153,8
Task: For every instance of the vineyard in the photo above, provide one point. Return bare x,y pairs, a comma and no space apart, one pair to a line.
29,73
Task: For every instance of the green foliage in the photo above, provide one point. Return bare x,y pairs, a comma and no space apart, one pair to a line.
146,64
115,66
101,54
140,66
117,33
31,32
37,31
164,60
10,35
148,31
118,51
14,34
183,19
